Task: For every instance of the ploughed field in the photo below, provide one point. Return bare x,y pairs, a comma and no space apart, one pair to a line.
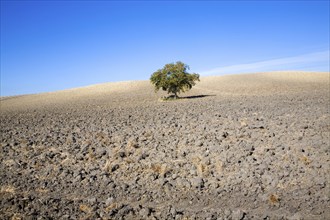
252,146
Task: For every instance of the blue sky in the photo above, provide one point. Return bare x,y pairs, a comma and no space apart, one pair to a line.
55,45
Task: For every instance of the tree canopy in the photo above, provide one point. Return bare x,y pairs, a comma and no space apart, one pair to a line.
174,78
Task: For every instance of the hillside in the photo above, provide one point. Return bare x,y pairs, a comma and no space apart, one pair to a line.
252,146
142,91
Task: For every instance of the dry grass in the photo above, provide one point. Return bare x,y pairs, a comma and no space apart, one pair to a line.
219,167
9,162
111,207
160,169
273,199
42,190
305,160
201,167
108,165
84,208
90,155
16,216
8,189
132,144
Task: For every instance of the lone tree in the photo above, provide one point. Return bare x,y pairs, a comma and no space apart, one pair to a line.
174,78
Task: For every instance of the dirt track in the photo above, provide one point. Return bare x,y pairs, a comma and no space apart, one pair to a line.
250,146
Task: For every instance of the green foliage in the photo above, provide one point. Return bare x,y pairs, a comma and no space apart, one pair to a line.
173,78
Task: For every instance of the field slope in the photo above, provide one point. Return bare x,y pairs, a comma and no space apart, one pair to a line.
234,147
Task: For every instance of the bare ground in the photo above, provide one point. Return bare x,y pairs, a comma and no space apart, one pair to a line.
252,146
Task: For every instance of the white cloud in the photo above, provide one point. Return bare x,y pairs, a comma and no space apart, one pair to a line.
318,61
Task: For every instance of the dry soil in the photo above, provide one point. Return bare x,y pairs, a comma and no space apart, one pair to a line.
252,146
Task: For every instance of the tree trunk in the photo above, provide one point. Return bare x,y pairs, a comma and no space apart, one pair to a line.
176,95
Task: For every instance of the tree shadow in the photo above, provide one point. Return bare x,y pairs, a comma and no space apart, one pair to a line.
173,98
196,96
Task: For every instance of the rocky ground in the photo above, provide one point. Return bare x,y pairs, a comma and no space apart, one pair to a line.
236,147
